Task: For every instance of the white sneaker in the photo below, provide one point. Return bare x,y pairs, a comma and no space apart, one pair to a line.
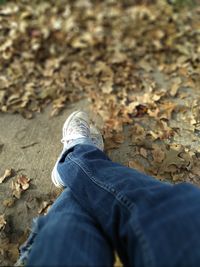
96,137
76,126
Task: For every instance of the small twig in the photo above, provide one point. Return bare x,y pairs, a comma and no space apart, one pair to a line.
30,145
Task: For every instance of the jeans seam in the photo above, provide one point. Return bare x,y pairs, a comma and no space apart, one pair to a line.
109,189
137,229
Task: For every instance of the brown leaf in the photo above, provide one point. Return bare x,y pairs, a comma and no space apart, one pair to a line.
166,110
158,154
175,86
138,133
13,253
114,141
16,190
118,262
2,96
103,69
24,182
172,158
20,185
7,174
141,110
10,251
145,65
9,202
136,165
177,177
174,89
44,207
2,222
107,87
143,152
138,130
118,138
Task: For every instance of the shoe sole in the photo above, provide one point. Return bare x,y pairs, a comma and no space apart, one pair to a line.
54,175
95,132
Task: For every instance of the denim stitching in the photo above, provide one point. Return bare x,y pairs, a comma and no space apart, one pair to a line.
135,225
106,187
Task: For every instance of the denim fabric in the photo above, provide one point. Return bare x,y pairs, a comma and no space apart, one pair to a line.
78,141
68,236
66,147
109,207
26,248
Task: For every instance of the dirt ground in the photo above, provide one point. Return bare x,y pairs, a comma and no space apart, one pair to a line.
133,65
30,148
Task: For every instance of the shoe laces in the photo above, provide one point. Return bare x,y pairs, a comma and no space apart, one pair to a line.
77,127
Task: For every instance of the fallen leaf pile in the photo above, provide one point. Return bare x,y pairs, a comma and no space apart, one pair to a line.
137,64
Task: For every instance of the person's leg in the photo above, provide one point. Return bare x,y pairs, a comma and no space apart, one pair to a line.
68,236
150,223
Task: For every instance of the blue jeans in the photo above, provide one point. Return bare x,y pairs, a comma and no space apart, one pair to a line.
107,207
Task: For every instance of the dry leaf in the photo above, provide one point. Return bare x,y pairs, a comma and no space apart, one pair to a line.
107,87
114,141
172,158
127,59
143,152
2,222
20,185
166,110
158,154
9,202
118,262
138,130
16,190
10,251
176,82
138,133
145,65
24,182
45,207
177,177
136,165
174,89
7,174
134,72
118,138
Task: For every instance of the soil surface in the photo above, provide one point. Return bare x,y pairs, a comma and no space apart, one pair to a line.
132,65
30,148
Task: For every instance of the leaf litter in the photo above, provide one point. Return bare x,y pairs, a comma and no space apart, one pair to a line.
7,174
137,64
2,222
20,185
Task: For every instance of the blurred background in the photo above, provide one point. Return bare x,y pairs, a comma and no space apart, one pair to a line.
133,65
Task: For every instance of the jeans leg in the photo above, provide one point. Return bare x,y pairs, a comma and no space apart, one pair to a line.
68,236
148,222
